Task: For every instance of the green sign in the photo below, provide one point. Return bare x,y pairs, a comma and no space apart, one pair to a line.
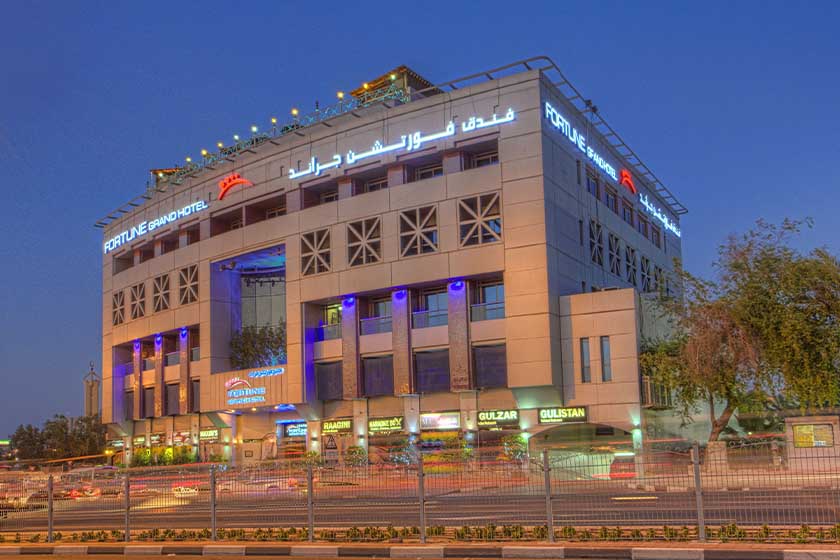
340,426
208,434
563,415
490,419
139,441
385,425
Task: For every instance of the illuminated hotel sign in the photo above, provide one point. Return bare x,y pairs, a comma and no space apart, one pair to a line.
490,419
578,139
440,421
294,429
560,415
408,143
385,425
660,215
340,426
145,227
267,372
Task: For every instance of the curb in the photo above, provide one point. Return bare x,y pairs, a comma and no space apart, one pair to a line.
431,551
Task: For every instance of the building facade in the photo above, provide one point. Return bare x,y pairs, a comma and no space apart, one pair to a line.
412,262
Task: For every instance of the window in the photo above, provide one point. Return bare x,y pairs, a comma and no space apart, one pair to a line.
485,159
433,309
195,395
148,402
378,374
315,252
585,371
432,369
596,243
236,223
813,435
418,231
172,400
490,366
118,308
275,211
490,301
188,285
642,225
577,162
328,196
615,255
374,185
138,300
656,236
480,219
593,186
630,264
128,405
627,211
329,327
332,314
646,279
658,279
606,360
160,293
328,382
380,307
262,298
364,242
428,171
611,199
378,319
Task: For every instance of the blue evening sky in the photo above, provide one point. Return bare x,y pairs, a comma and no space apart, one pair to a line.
733,104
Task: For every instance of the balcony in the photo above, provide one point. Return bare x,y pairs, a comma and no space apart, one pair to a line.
425,319
148,364
487,311
121,370
327,332
172,359
375,325
195,354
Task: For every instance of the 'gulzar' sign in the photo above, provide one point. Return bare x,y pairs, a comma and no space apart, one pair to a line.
145,227
498,418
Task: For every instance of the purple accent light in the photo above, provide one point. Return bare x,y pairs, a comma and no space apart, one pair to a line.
184,332
136,345
400,294
349,301
158,339
456,285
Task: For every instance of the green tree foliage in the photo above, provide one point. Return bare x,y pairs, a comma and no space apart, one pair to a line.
765,332
60,438
254,347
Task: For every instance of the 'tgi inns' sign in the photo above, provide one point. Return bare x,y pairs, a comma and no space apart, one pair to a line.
563,415
240,391
145,227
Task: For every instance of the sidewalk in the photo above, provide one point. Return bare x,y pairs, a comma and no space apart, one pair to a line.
651,551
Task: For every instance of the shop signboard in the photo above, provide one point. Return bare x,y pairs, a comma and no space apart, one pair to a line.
139,441
294,430
386,425
181,438
208,434
563,415
440,421
116,443
498,419
338,426
156,439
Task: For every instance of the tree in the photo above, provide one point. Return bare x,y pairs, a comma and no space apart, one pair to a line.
258,347
767,331
28,442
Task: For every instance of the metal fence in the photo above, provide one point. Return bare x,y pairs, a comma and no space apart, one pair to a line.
763,492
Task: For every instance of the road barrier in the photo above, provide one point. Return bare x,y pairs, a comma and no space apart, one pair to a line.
762,492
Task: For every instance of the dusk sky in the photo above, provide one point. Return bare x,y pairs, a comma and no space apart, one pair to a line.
734,105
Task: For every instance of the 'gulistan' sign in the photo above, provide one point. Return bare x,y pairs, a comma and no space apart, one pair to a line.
563,415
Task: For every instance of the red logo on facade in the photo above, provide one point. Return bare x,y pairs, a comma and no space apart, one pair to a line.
231,181
234,382
627,181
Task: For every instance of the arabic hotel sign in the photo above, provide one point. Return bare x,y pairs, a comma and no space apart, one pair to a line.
563,415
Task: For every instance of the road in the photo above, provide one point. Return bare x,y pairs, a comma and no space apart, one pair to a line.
608,506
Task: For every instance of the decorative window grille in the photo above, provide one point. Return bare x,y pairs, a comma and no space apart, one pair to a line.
315,252
188,285
160,293
615,255
138,300
118,308
364,242
418,231
480,219
596,243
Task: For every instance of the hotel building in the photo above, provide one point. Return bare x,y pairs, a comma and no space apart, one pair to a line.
467,258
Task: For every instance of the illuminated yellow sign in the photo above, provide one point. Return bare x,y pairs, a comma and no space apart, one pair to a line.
340,426
385,425
563,415
498,418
